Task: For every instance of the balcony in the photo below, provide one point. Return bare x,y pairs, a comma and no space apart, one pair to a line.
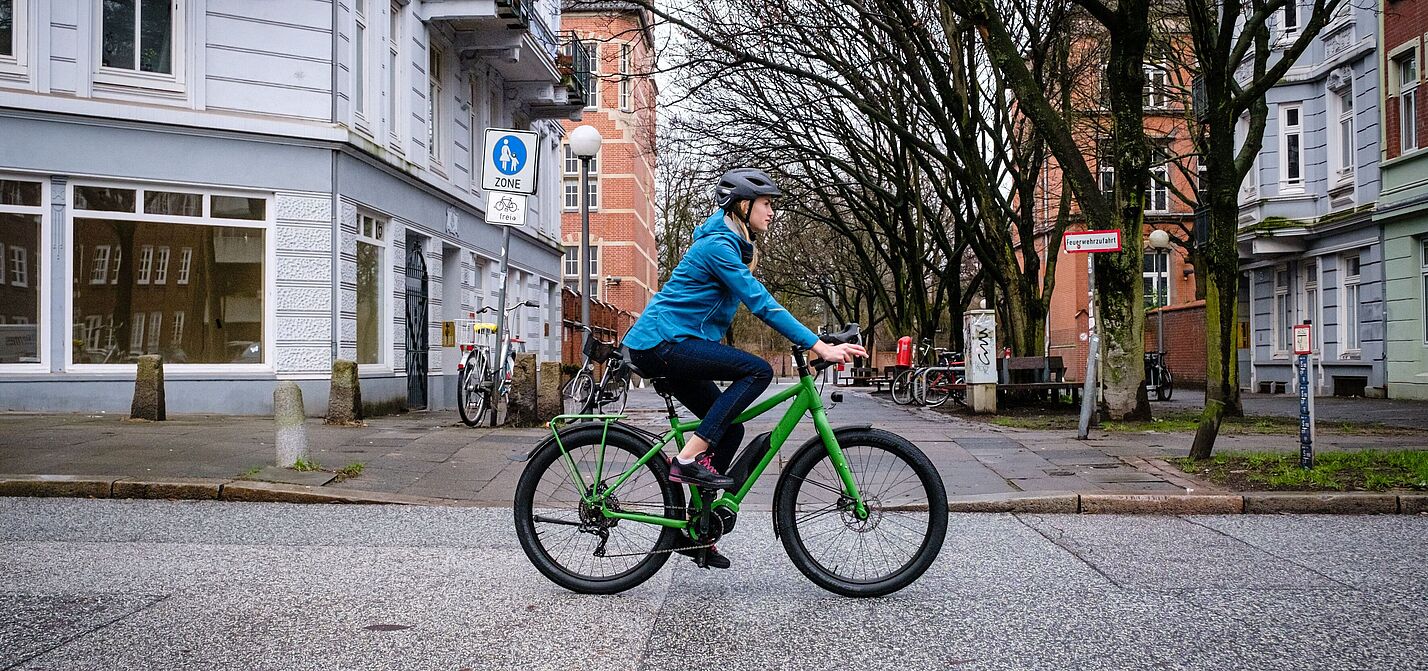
510,34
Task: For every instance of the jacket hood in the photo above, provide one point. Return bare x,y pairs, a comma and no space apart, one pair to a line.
719,224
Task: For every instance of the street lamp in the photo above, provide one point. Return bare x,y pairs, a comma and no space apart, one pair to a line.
1160,241
585,143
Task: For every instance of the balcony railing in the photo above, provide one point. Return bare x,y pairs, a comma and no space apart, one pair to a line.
530,16
575,67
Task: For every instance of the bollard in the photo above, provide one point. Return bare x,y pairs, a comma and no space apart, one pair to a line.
149,390
344,402
521,406
288,414
548,401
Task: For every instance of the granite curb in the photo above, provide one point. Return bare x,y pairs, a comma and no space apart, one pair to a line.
1120,503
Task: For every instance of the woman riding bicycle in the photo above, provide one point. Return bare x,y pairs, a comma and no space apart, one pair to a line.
677,336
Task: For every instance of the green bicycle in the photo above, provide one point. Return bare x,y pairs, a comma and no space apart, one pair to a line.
860,511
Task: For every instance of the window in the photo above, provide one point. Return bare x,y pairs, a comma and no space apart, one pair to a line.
1343,104
571,193
433,104
1309,285
1291,148
7,27
146,264
394,51
1283,311
1106,167
592,97
1157,195
1156,94
139,35
626,83
1349,304
1406,67
185,263
1155,278
221,276
101,265
594,261
161,266
572,261
371,271
571,190
94,330
1423,271
21,228
572,163
13,46
359,59
19,266
177,335
1289,19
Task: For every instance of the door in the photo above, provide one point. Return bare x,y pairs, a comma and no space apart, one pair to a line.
417,330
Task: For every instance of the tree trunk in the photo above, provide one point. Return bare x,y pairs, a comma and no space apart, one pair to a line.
1221,260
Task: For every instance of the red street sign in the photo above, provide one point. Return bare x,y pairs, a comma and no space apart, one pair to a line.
1303,344
1093,241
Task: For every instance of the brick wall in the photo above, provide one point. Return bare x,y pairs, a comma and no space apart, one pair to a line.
1184,341
609,322
1403,23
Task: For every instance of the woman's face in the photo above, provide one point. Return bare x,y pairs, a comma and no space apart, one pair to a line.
761,214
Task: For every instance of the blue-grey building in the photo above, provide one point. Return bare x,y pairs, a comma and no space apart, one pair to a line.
1309,247
253,189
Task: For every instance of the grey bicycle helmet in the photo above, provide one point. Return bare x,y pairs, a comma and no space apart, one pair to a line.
744,184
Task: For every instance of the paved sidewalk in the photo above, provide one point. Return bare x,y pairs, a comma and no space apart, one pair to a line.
433,455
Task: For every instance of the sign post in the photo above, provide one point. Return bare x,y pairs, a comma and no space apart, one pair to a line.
1091,242
510,171
1304,348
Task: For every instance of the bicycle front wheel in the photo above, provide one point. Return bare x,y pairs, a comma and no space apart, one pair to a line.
932,387
902,387
844,552
1166,388
568,538
615,395
472,395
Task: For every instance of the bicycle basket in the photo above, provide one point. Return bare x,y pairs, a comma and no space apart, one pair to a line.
598,350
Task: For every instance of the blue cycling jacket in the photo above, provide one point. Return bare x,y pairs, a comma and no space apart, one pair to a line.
705,289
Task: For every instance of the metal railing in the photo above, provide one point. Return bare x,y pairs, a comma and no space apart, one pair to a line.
575,66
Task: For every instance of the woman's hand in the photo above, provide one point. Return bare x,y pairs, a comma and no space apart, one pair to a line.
838,353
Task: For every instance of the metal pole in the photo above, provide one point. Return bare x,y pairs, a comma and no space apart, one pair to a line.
1088,390
1160,332
495,377
585,245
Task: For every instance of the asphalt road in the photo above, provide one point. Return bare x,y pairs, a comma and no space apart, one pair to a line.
119,584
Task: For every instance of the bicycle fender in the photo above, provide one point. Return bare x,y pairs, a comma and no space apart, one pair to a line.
579,431
814,443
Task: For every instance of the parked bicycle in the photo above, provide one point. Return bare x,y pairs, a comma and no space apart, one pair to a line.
936,375
474,383
1158,379
860,511
584,394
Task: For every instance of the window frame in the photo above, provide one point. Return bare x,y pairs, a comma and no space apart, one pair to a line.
1155,94
592,97
41,286
1286,130
268,224
361,65
1341,139
123,78
1157,195
1423,280
1348,310
1286,30
1283,304
394,84
385,362
1407,100
435,139
17,64
1160,279
626,94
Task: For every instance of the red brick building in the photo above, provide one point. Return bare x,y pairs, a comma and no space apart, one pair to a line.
621,105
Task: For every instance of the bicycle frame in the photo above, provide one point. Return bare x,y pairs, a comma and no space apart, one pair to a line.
806,400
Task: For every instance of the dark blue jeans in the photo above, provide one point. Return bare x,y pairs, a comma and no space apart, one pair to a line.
689,369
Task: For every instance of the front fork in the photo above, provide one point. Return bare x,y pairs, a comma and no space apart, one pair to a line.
840,463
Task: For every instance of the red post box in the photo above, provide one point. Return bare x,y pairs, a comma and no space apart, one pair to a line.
904,351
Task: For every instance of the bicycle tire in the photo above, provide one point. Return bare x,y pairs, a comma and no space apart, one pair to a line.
615,395
578,392
902,387
933,387
1166,388
915,506
472,396
656,495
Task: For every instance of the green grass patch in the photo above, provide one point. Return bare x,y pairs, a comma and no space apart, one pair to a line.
1364,470
306,465
349,471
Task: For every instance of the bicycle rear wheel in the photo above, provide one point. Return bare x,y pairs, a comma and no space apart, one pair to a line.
902,387
614,395
1166,388
472,394
577,392
877,555
932,387
569,539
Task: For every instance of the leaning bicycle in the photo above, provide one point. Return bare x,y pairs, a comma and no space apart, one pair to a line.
475,390
860,511
584,393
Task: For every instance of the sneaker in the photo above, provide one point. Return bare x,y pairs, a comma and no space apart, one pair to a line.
713,559
700,473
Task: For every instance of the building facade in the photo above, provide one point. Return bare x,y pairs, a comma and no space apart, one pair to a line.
623,268
254,189
1310,249
1403,203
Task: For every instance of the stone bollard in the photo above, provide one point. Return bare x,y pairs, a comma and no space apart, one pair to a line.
344,402
289,415
548,401
521,407
149,390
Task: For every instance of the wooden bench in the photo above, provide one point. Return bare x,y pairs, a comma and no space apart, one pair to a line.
1042,378
858,377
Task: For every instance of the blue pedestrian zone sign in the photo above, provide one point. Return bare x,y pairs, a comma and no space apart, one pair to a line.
512,161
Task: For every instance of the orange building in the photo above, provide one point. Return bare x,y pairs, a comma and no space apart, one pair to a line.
621,105
1168,277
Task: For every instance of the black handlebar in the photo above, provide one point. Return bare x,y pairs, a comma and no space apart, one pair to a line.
850,335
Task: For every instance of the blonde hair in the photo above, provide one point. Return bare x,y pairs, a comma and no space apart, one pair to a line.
742,219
